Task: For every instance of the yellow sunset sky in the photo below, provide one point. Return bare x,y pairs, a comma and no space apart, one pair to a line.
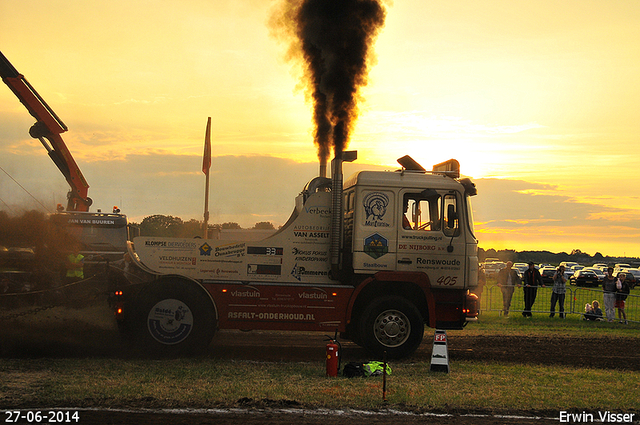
538,100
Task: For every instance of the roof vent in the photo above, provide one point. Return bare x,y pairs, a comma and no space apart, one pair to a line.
410,164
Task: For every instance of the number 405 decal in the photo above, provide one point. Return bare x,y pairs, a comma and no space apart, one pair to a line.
447,280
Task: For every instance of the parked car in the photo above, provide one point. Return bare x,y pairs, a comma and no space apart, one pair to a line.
629,273
569,264
584,278
521,266
598,271
492,267
619,267
547,274
568,273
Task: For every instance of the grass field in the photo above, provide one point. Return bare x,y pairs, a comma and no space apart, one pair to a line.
205,382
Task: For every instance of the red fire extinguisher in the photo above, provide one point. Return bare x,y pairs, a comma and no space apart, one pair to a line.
333,356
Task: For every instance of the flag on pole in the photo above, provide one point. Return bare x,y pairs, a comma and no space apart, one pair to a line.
206,158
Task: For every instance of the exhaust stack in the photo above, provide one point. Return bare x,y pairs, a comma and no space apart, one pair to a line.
323,169
337,215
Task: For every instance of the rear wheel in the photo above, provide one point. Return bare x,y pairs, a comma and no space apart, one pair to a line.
172,318
392,324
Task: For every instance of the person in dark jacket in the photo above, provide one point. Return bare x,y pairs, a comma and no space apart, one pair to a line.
532,280
622,292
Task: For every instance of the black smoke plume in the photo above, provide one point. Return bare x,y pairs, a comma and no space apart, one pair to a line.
334,40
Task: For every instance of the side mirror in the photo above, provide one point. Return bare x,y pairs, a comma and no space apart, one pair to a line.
452,216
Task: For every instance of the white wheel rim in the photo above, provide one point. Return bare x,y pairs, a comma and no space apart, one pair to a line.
392,328
170,321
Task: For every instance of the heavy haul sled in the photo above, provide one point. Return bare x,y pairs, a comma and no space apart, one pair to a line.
375,258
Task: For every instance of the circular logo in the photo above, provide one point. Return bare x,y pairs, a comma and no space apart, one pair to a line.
170,321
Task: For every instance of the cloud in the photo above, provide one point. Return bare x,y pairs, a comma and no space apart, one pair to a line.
524,215
515,214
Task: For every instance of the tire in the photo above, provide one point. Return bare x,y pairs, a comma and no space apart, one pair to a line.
392,324
172,318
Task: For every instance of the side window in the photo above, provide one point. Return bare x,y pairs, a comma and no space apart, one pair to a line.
421,211
349,202
451,216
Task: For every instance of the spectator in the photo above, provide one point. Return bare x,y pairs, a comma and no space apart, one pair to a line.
621,295
559,292
532,279
609,289
592,311
75,266
482,281
507,280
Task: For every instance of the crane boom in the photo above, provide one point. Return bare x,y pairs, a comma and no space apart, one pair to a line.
47,129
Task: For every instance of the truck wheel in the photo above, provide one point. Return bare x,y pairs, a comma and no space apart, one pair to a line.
172,318
391,324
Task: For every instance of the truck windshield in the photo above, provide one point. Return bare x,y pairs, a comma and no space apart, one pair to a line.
94,232
97,238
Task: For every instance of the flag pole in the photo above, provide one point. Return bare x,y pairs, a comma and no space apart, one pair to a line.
206,166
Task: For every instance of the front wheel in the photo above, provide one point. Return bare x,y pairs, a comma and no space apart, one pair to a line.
172,318
392,324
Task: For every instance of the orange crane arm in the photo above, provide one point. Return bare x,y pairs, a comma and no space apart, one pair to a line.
48,126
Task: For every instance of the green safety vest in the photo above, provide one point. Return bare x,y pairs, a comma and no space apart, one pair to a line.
76,268
375,369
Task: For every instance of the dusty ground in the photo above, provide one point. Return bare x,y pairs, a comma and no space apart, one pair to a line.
93,335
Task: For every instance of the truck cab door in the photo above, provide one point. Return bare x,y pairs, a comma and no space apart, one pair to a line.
431,239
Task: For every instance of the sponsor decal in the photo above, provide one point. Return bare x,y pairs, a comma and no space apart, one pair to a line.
306,234
246,315
270,269
308,255
422,237
375,206
376,245
155,243
219,272
235,250
264,250
205,249
250,293
299,271
310,231
94,221
178,260
417,247
182,244
170,321
312,296
171,244
322,211
375,266
438,262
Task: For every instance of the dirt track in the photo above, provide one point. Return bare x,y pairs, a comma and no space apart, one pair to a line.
97,339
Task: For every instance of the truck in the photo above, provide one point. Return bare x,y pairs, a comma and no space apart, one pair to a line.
102,236
376,257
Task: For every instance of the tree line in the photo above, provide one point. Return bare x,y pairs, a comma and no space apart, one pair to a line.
31,229
175,227
548,257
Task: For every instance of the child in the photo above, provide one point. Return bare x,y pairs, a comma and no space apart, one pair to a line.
592,311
